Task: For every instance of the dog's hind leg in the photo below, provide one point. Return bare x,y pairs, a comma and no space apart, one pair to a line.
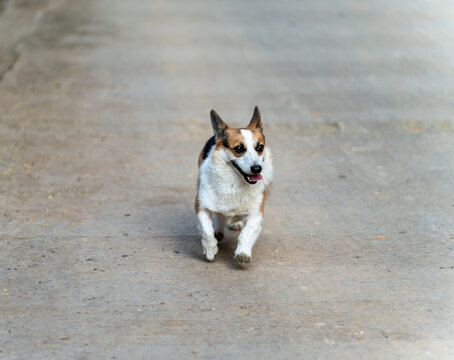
235,223
219,223
209,242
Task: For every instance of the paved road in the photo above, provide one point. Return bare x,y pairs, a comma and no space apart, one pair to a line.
104,109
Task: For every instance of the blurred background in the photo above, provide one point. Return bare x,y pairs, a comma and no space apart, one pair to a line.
104,108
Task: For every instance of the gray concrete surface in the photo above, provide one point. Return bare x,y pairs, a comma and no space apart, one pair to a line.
103,111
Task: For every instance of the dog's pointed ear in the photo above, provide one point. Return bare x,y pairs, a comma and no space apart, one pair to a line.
256,121
219,126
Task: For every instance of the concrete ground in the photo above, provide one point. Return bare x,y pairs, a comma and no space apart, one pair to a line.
104,109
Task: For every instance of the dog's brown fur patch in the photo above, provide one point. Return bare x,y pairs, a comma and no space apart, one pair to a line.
262,204
233,139
259,138
196,204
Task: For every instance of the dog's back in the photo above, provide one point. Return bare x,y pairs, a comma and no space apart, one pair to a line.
206,149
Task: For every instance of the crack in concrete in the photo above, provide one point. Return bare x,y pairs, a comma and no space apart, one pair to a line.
2,5
12,52
15,57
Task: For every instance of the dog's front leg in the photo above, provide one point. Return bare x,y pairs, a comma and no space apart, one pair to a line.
247,238
209,242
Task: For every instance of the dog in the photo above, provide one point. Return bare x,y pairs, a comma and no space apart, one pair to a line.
235,172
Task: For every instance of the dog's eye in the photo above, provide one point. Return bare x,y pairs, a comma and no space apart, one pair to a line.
259,148
238,149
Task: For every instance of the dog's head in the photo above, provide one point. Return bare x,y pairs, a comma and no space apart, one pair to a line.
242,148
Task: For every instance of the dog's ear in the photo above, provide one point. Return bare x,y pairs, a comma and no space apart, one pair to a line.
219,126
256,121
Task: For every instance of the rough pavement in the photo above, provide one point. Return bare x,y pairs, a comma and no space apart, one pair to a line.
104,109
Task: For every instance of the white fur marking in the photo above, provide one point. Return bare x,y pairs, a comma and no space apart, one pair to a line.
248,138
251,157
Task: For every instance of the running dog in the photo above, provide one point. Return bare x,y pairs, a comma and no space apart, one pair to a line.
235,171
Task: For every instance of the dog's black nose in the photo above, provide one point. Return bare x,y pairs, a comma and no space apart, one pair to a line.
256,169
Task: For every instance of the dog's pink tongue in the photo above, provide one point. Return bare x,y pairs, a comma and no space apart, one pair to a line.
255,177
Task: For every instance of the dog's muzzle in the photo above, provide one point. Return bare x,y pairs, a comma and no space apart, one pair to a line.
250,179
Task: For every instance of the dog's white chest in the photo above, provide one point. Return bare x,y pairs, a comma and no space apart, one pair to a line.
238,201
223,191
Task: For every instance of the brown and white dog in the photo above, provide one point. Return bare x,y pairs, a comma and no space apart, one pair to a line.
235,171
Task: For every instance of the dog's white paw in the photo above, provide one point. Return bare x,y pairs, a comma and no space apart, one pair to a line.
210,252
242,258
236,226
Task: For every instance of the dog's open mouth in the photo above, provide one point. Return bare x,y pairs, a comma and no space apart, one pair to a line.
250,178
